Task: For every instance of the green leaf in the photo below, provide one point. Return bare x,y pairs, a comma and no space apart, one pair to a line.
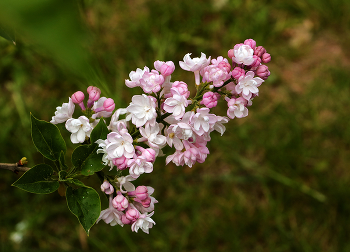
85,204
99,132
85,159
38,180
62,162
7,34
76,182
47,139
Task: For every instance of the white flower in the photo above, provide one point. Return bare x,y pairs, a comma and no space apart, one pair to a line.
195,65
105,159
116,124
176,104
80,129
63,113
120,145
138,166
243,55
142,109
111,215
124,182
150,134
219,127
144,222
236,108
248,85
203,121
135,77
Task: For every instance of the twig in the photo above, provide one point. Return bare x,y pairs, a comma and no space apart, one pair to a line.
16,167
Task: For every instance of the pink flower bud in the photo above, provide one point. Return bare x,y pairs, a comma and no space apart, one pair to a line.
78,97
230,53
259,51
120,202
146,202
210,99
167,68
132,215
109,105
107,188
141,192
257,61
94,95
250,42
263,72
121,163
237,72
266,57
125,220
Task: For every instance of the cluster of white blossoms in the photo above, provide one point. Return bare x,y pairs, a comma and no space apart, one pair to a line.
164,115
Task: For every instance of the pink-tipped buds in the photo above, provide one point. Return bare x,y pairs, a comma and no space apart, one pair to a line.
132,215
78,98
120,202
266,58
238,72
259,51
250,42
94,95
263,72
141,192
165,68
231,53
109,105
107,188
257,61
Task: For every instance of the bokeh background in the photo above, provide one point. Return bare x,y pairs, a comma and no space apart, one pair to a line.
278,180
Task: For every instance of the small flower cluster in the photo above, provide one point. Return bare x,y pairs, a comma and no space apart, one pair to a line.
130,206
165,115
97,107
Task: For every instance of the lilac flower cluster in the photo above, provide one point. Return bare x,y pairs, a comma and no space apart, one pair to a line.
164,115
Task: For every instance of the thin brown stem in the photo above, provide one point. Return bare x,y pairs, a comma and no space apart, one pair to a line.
16,167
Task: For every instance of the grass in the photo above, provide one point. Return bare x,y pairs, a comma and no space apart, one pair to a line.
277,180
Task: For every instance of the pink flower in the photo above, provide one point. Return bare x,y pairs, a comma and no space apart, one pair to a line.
203,121
181,87
266,57
151,82
177,158
259,51
238,72
165,68
210,99
121,163
135,77
132,215
215,74
139,165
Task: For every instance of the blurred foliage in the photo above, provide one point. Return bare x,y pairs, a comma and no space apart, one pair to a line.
277,180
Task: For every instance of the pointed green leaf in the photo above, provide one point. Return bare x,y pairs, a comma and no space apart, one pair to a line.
85,159
38,180
76,182
47,139
85,204
7,34
99,132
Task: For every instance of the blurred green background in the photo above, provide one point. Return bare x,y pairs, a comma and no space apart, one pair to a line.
278,180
